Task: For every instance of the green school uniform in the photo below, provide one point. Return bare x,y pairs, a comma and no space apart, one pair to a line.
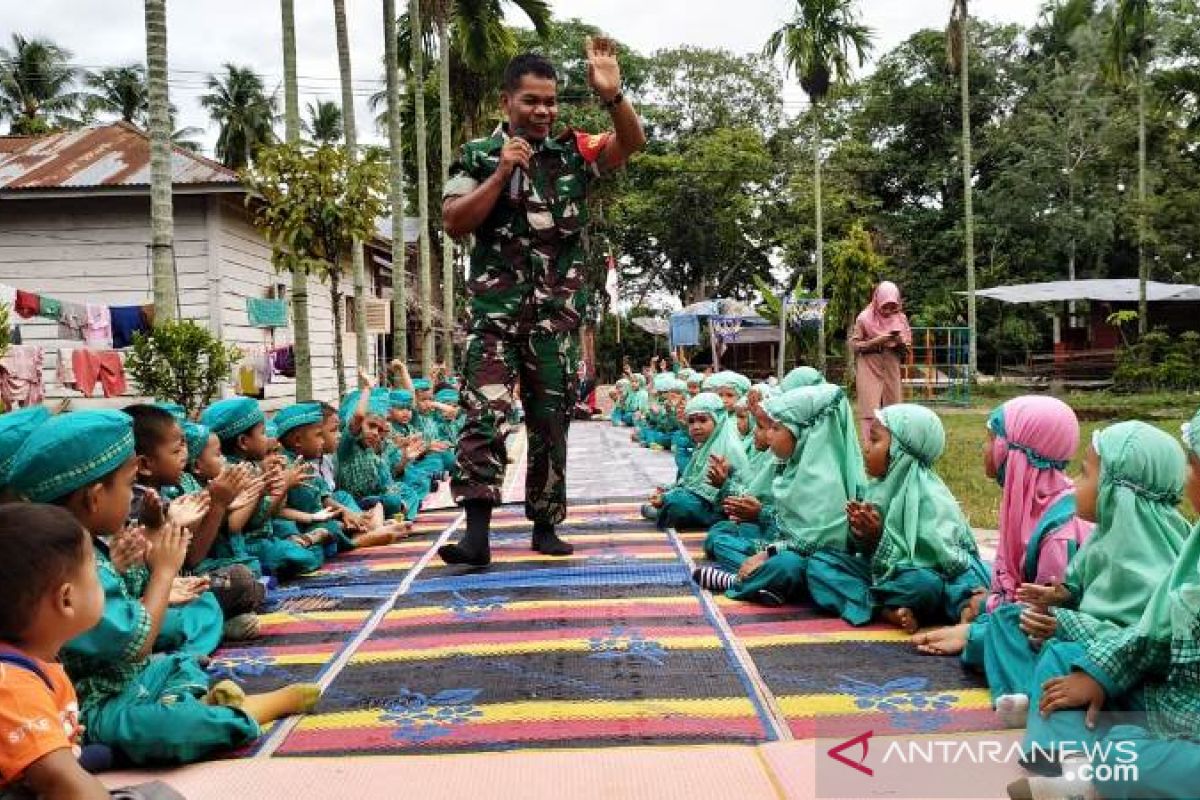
926,559
1117,574
150,710
267,540
693,502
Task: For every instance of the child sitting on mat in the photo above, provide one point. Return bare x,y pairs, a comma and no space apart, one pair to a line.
150,710
915,559
695,500
763,553
49,594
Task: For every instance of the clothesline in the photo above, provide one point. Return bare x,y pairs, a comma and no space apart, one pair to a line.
96,324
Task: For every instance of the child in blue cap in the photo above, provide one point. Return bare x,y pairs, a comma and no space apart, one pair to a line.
150,710
312,504
279,546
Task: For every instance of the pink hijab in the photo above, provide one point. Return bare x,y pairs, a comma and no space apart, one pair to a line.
1040,434
872,321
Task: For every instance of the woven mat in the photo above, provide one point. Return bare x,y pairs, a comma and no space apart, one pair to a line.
557,666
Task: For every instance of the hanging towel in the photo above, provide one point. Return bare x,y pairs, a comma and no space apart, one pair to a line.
148,313
49,307
27,304
21,376
126,321
8,295
72,319
267,313
685,330
284,360
97,329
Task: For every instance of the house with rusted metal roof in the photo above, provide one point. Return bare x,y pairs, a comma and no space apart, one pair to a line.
75,226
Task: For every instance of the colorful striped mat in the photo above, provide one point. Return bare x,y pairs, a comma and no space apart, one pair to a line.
535,667
613,646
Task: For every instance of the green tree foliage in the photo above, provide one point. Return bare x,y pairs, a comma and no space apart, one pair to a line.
324,123
37,86
311,204
854,269
182,362
243,110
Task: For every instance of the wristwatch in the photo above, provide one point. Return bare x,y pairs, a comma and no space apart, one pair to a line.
609,105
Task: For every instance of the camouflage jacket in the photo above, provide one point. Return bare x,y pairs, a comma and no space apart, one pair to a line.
528,259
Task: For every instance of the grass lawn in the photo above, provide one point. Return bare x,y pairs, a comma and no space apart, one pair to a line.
962,465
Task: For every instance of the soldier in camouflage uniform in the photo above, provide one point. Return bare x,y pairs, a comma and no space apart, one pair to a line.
523,194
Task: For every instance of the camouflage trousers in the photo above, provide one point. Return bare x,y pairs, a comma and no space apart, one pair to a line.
542,365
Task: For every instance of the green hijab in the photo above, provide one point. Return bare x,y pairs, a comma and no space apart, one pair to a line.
811,488
1139,533
727,378
724,442
801,376
638,398
923,526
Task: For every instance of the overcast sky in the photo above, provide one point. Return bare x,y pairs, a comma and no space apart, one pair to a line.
204,34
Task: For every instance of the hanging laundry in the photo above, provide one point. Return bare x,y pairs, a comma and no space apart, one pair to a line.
14,336
284,361
126,321
8,295
66,367
72,320
97,328
49,307
248,381
21,376
148,312
27,304
267,312
99,366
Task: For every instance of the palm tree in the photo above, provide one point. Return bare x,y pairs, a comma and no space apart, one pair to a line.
302,339
357,268
816,46
119,90
324,123
958,49
1131,46
391,61
36,85
424,285
443,26
239,104
162,226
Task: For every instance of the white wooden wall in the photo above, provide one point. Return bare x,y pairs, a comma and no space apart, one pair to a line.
95,250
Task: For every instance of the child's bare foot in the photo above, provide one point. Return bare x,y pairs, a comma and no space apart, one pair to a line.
970,611
902,618
225,693
390,533
942,641
298,698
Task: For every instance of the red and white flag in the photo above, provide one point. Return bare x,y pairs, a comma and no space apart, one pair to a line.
611,284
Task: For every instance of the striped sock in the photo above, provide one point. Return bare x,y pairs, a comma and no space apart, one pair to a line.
714,579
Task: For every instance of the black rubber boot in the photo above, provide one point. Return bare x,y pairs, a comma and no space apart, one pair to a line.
473,548
546,541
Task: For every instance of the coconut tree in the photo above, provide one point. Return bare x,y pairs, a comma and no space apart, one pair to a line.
817,46
1130,49
301,328
118,90
324,123
36,85
391,61
443,27
162,227
239,104
425,273
958,50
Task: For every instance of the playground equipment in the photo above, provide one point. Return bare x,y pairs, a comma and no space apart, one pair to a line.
937,369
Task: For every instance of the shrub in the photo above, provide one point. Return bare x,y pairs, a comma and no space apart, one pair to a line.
181,361
1159,362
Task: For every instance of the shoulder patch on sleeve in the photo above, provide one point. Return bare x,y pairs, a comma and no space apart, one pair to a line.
591,145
